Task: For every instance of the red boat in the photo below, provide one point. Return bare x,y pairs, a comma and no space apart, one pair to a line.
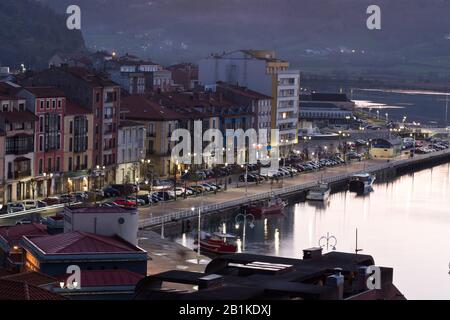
272,206
217,243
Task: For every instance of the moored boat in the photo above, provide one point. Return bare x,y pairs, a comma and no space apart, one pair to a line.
218,243
319,193
272,206
361,183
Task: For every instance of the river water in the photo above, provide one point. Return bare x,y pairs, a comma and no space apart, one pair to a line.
404,224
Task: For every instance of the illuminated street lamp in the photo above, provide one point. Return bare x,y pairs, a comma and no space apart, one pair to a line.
244,221
326,241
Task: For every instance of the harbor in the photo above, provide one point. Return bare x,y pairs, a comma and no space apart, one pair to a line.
404,222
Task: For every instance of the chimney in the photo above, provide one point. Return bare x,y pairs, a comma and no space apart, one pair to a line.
337,281
312,254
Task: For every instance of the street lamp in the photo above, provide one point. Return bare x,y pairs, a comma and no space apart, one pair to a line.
326,241
251,224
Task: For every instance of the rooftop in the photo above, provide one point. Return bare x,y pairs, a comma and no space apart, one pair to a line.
142,108
73,108
16,290
13,234
106,278
244,91
19,116
46,92
32,278
80,243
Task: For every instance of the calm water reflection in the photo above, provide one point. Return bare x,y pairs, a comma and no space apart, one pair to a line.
404,224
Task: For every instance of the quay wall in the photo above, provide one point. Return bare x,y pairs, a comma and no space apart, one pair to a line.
387,170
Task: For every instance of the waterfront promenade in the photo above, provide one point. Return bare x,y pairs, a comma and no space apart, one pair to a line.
234,197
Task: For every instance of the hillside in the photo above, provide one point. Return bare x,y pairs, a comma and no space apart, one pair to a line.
31,33
311,33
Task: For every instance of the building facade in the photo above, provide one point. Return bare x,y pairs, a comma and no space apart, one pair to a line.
78,148
48,104
18,125
131,152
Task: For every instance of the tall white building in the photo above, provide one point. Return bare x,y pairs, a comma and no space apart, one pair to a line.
261,71
131,150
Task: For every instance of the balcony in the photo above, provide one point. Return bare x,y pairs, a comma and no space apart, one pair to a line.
21,174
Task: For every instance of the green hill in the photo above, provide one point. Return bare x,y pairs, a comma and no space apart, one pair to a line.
32,33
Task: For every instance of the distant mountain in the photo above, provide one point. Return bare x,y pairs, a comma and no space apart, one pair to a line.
32,33
314,34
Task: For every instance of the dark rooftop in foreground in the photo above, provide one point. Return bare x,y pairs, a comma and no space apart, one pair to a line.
332,276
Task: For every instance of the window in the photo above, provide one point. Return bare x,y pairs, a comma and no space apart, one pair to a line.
70,145
41,169
85,161
41,124
70,163
42,104
58,163
54,104
41,143
48,104
49,164
97,97
59,103
71,127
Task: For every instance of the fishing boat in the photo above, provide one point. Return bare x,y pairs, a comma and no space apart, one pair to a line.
361,183
274,205
319,193
217,243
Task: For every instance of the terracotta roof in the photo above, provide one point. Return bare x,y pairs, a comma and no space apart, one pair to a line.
33,278
141,108
244,91
80,243
9,88
73,108
13,234
104,278
46,92
19,116
15,290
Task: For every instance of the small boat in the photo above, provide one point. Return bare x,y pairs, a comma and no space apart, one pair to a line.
272,206
361,183
319,193
217,243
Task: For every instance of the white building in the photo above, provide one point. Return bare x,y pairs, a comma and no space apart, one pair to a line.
131,150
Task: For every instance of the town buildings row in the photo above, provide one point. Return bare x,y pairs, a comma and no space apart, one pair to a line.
88,121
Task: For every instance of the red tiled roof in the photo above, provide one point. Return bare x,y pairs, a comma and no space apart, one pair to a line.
32,278
19,116
244,91
46,92
81,243
141,108
73,108
15,290
13,234
104,278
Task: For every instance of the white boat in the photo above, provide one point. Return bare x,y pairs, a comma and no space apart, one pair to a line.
361,183
320,193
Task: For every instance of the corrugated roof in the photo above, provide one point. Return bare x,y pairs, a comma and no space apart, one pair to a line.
13,234
32,278
141,108
105,278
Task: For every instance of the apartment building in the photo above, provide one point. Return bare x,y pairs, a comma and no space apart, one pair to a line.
263,72
159,122
131,151
98,95
48,104
78,147
17,127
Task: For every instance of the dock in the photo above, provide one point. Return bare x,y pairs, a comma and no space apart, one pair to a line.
237,197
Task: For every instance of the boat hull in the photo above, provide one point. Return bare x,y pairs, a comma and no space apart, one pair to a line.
276,209
318,196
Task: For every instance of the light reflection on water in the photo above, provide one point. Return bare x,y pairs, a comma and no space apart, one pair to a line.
404,224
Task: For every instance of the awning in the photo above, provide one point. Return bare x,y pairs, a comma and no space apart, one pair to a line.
77,174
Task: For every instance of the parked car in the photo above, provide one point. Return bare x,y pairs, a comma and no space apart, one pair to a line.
15,207
51,201
124,203
111,192
33,204
139,201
